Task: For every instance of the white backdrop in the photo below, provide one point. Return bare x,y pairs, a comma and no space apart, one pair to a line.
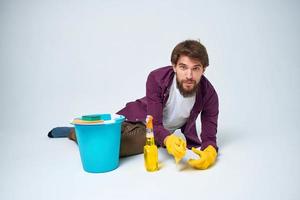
61,59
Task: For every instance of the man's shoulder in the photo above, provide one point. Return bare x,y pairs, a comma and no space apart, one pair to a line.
206,85
162,73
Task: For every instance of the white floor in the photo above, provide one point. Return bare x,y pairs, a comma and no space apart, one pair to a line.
36,167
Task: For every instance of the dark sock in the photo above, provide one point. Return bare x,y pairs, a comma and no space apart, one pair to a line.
59,132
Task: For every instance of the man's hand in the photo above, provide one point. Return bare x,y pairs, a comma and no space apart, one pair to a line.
207,158
176,146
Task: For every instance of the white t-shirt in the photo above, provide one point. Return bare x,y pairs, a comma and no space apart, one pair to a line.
177,109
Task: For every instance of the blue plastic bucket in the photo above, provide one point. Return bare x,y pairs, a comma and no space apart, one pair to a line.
99,143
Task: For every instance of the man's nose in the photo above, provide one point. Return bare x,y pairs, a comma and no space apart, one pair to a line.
189,74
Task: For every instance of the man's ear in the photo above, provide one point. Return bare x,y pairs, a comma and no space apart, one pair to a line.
174,67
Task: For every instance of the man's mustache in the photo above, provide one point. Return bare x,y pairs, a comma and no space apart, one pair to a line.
189,81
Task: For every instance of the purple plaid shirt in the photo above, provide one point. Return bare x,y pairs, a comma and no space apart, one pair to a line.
157,93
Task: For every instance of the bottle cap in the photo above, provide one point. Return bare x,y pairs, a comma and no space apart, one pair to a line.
149,123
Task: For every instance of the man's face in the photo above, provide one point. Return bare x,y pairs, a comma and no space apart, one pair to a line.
188,74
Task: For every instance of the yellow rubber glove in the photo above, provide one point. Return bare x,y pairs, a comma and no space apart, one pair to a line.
207,158
176,146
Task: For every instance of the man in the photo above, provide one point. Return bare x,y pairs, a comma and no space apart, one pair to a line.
175,96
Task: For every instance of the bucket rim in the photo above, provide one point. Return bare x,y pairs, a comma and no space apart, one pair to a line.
115,118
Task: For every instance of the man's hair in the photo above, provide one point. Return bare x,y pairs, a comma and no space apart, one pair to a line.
191,48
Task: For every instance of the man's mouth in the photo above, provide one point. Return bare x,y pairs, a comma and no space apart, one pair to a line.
187,87
189,82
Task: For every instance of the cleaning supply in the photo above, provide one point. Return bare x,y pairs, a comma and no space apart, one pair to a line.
150,149
81,121
99,141
176,146
207,158
90,119
94,117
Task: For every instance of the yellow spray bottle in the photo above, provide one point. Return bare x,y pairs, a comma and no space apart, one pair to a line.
150,149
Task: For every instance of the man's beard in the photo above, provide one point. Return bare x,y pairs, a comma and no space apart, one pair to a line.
184,92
